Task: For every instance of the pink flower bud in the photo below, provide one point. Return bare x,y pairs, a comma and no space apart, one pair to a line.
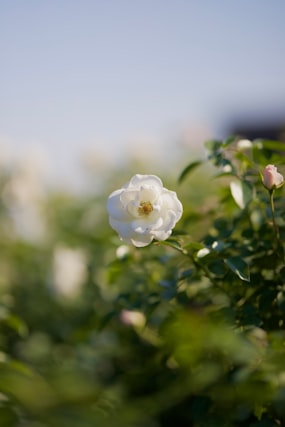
271,178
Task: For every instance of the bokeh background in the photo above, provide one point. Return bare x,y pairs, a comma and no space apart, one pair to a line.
92,84
92,92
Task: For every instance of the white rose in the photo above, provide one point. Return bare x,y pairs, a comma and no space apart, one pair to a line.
143,210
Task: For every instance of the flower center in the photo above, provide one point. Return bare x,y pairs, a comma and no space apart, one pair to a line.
145,208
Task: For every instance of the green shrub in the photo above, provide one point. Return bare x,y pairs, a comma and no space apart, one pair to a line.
188,331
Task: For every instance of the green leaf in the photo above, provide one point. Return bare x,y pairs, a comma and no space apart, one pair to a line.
172,243
219,246
8,415
217,268
238,266
242,193
17,324
265,151
189,168
272,145
213,145
243,158
196,246
282,274
227,168
230,140
185,274
168,294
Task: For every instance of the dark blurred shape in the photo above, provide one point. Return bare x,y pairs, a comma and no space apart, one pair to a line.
253,129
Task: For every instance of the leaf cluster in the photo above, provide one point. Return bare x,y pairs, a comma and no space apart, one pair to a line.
186,332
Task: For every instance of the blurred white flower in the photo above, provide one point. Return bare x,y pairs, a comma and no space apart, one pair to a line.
143,210
69,270
272,178
23,194
132,318
227,168
122,251
244,144
203,252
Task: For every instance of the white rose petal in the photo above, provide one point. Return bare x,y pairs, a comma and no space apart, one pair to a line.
143,210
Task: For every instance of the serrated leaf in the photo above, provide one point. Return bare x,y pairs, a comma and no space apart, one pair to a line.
189,168
238,266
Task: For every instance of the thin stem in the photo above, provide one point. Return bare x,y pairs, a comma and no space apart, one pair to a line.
276,229
279,246
200,266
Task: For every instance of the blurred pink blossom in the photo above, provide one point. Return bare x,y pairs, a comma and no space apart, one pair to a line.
272,178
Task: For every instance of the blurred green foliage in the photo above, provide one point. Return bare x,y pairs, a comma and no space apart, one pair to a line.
186,332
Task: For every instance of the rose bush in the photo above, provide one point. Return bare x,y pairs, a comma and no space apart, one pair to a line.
143,210
188,332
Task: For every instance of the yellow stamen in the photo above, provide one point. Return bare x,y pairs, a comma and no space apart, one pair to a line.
145,208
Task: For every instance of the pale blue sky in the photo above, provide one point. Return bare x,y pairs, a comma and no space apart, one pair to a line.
77,74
